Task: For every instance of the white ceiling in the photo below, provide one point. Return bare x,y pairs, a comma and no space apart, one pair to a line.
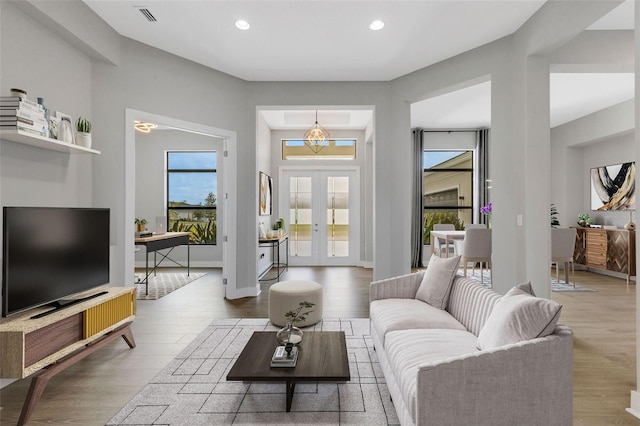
331,119
572,95
316,40
328,40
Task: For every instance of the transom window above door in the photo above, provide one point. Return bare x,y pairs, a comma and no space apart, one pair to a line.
330,149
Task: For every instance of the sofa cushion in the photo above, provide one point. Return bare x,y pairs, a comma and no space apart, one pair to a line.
407,350
470,303
400,314
519,316
436,281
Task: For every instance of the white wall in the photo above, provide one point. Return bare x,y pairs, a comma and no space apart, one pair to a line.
33,176
150,202
157,82
599,139
617,149
263,147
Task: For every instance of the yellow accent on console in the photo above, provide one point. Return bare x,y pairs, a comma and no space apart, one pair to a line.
104,315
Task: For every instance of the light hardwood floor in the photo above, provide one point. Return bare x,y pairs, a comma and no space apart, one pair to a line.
92,391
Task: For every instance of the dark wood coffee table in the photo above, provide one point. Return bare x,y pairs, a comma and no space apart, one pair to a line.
322,357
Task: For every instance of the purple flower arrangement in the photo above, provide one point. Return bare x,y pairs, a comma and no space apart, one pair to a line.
488,209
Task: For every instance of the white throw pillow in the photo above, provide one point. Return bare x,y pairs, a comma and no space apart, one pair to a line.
435,287
526,287
518,316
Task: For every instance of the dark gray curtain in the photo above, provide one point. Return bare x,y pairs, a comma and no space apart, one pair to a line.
417,202
482,142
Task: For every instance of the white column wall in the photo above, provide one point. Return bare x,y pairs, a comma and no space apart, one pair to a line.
537,177
635,394
506,170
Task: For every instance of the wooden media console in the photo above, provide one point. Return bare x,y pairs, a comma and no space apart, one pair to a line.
59,340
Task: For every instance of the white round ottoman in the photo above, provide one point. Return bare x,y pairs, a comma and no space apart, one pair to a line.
286,296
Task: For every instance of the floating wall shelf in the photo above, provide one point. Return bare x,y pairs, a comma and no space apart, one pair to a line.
45,143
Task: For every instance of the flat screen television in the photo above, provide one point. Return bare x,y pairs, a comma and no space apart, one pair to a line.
50,253
613,187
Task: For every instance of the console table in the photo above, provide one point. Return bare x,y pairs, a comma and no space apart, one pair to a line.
59,340
608,249
154,243
275,244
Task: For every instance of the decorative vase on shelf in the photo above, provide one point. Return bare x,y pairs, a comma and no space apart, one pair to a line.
289,334
630,225
83,139
582,222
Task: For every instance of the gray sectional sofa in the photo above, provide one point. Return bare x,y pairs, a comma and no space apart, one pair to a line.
436,373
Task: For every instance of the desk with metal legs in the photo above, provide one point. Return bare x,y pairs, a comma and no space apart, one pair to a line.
275,244
154,243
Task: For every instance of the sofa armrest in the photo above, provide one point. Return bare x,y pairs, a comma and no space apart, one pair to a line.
401,287
522,383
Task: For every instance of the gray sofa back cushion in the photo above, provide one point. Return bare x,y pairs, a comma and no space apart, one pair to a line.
471,303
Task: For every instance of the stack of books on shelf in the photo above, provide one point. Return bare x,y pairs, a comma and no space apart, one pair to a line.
18,113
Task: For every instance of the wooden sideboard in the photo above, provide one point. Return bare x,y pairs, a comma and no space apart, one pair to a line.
607,249
57,341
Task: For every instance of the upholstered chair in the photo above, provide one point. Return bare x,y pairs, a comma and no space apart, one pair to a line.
439,244
476,248
475,226
563,242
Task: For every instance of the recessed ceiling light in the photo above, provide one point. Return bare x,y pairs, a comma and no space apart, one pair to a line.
376,25
243,25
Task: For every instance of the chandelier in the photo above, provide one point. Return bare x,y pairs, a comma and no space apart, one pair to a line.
144,127
314,137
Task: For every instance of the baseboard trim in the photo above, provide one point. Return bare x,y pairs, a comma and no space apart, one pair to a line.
192,264
239,293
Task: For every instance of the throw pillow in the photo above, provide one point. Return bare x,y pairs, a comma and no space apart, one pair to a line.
518,316
526,287
437,280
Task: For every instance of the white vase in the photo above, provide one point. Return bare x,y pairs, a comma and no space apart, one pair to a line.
83,139
630,225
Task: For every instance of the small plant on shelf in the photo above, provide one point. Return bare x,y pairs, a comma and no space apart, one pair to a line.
83,125
83,132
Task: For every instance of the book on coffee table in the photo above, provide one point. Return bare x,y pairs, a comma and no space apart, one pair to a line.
280,358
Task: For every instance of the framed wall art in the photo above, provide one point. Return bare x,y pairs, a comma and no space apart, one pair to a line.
265,189
613,187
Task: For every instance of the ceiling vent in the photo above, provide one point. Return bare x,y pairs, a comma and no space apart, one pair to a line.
147,14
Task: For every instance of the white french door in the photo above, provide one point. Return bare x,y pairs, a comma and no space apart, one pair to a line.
322,207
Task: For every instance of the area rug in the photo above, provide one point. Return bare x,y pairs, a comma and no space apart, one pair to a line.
164,283
485,280
192,389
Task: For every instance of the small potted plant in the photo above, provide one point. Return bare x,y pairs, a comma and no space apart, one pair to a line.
290,333
141,224
585,220
83,132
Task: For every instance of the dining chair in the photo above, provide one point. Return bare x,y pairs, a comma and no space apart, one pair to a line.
439,244
475,226
476,248
563,242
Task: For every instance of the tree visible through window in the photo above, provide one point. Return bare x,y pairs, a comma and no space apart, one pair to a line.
448,189
192,187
